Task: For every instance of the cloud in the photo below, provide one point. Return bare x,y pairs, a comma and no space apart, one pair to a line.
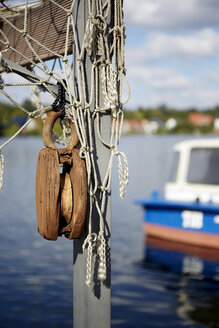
186,98
168,14
172,51
155,85
174,69
159,77
181,98
202,43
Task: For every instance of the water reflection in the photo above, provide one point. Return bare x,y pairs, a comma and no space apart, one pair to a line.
36,275
197,276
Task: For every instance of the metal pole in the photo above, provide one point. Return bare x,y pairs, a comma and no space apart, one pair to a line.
92,305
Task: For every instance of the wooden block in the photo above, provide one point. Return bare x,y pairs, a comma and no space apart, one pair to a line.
48,193
66,198
47,24
79,186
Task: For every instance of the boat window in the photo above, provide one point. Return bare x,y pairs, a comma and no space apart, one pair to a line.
203,166
174,167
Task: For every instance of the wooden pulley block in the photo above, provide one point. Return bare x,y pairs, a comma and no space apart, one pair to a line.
61,199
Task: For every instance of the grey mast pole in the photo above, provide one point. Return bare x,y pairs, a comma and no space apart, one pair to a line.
92,305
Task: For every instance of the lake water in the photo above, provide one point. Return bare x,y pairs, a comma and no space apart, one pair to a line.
151,286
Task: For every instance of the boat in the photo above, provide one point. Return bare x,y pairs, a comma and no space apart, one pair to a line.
195,261
189,210
190,273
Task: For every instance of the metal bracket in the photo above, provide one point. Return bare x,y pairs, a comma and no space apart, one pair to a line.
10,66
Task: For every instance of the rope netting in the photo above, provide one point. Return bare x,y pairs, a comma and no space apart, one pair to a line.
91,91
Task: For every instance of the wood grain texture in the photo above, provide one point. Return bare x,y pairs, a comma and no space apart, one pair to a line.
79,185
48,193
47,133
66,198
47,24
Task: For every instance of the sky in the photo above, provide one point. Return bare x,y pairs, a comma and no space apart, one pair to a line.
172,53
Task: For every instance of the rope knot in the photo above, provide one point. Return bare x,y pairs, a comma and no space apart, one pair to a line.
102,188
69,13
117,30
49,73
91,193
31,115
84,149
100,22
90,241
77,104
24,33
94,21
65,60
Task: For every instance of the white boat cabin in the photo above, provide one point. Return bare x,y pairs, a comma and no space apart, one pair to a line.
195,172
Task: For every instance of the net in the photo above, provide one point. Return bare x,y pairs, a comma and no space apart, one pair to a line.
91,70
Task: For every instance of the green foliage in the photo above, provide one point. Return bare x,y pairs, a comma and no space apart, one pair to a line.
11,116
163,113
10,130
11,119
206,129
28,105
184,128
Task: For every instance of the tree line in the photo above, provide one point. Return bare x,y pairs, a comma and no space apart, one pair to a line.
11,118
163,113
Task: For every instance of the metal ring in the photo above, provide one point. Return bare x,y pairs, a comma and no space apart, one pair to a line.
47,132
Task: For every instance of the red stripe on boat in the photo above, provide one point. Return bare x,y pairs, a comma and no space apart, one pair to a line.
182,236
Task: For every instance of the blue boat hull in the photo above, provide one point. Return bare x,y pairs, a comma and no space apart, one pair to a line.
199,262
191,223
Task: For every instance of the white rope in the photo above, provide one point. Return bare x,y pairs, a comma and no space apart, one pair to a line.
105,48
1,169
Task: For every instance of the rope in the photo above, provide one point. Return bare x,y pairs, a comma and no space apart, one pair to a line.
59,102
103,45
1,169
